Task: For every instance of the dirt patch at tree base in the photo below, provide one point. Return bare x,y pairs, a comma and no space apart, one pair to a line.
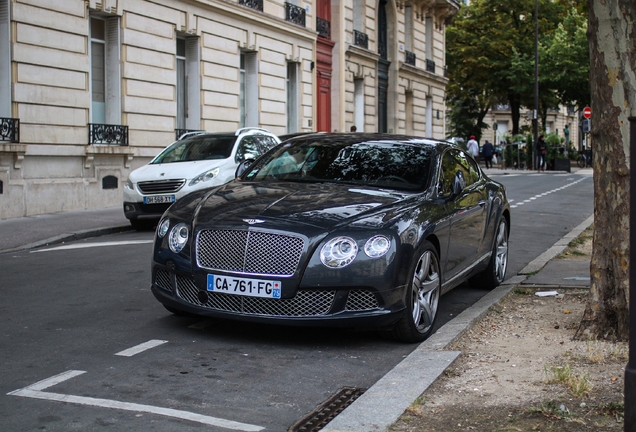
520,370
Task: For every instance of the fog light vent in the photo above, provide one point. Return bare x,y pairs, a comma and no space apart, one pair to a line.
327,411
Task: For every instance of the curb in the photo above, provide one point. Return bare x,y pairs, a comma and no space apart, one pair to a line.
79,235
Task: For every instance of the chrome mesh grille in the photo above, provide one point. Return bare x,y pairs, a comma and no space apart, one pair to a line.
163,280
161,186
361,300
306,303
253,252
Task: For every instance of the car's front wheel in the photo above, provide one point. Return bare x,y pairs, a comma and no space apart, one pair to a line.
422,300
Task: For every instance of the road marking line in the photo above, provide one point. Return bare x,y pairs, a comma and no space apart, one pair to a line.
545,193
34,391
90,245
140,348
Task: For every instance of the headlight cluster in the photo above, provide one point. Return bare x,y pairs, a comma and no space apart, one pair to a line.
341,251
208,175
178,236
129,185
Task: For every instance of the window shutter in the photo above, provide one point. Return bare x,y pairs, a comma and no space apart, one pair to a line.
113,72
193,83
251,90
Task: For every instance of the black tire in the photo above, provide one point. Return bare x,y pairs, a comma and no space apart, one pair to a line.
422,297
495,273
581,162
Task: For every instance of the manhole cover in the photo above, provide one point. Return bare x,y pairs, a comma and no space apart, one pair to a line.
326,411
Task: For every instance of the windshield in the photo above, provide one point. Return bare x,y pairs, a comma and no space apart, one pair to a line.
380,164
197,148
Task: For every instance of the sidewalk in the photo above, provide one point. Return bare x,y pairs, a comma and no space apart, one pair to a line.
384,402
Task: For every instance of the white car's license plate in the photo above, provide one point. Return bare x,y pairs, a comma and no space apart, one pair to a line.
159,199
244,286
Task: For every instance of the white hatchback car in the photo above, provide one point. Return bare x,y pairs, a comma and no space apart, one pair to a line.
196,161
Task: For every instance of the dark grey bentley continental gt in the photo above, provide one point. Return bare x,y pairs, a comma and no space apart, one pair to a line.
347,230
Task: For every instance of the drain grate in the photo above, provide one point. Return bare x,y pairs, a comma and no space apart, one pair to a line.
326,411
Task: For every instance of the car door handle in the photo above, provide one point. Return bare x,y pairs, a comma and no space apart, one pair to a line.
482,203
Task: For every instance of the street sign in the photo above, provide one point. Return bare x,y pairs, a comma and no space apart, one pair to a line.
586,125
587,112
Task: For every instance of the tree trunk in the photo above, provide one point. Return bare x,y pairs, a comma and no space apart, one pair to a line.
515,111
612,36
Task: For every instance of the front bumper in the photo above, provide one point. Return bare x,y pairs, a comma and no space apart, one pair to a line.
324,306
135,210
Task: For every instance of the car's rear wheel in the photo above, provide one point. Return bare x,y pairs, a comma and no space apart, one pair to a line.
422,300
495,273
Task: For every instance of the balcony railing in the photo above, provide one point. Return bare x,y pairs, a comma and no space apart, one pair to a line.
295,14
253,4
107,134
10,130
323,27
501,107
409,58
430,65
360,39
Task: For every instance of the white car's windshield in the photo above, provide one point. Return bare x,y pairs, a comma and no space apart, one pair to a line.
197,148
380,164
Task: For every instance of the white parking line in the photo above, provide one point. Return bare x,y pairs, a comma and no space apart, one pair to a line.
140,348
34,391
90,245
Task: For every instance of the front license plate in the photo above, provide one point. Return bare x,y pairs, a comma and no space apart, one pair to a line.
244,286
159,199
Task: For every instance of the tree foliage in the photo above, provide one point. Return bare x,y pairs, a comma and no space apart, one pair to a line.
490,57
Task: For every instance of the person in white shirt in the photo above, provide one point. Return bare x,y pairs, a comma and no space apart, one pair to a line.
473,146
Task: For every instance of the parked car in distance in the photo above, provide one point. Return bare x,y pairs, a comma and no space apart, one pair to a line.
351,230
196,161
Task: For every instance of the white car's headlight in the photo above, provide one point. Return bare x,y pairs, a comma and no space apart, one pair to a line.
178,237
377,246
208,175
162,228
129,185
339,252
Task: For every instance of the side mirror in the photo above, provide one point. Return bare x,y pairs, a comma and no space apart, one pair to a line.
459,183
240,169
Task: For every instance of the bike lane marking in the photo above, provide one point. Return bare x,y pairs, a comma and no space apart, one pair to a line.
526,201
35,391
141,348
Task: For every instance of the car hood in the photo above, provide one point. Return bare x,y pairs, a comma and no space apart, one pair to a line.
285,205
175,170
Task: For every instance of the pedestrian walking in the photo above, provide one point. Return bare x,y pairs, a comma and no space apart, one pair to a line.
542,151
473,147
487,151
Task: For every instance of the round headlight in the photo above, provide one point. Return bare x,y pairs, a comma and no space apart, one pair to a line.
377,246
162,228
339,252
178,237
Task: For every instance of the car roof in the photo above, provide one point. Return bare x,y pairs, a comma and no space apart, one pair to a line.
241,131
354,137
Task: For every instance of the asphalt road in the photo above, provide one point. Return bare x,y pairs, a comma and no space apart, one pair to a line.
76,312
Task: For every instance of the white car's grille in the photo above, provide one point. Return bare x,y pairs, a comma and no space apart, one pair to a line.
253,252
161,186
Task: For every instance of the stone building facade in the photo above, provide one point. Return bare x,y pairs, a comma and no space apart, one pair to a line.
92,89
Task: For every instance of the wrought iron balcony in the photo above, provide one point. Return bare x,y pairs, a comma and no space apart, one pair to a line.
360,39
430,65
323,27
409,58
295,14
501,107
253,4
10,130
107,134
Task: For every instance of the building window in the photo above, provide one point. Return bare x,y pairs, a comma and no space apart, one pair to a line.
429,116
110,182
249,89
429,42
408,27
5,59
358,104
105,80
409,113
188,84
358,15
292,97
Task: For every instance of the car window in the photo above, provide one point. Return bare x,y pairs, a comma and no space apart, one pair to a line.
266,143
381,164
450,167
470,167
196,148
248,148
